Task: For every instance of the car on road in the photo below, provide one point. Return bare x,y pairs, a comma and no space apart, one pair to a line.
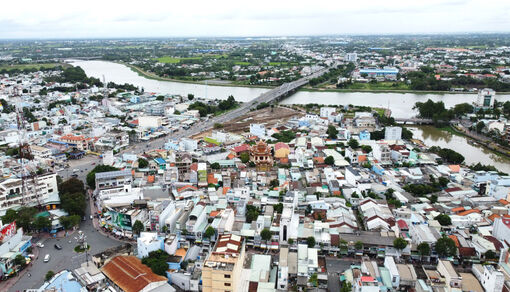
74,175
46,258
93,163
76,170
39,245
58,246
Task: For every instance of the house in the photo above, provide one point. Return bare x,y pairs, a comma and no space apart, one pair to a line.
129,274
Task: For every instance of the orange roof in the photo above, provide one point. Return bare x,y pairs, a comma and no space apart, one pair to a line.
467,212
493,217
362,158
211,179
458,209
503,202
187,187
180,252
225,190
454,167
231,156
130,274
71,137
319,159
214,213
454,238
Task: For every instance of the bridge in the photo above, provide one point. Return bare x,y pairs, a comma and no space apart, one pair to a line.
273,95
414,121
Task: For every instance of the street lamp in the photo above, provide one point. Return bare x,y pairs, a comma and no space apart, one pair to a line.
82,240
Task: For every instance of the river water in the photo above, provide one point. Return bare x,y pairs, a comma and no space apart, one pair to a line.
400,104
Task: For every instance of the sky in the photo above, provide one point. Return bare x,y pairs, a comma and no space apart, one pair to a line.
197,18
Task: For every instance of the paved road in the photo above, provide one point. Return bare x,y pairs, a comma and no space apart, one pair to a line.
66,258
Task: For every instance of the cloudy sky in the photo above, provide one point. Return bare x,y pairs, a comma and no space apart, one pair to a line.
171,18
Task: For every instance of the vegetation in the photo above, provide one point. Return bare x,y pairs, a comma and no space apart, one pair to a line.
443,219
68,222
448,155
445,247
138,227
72,197
157,261
424,249
245,157
329,160
284,136
310,241
332,132
265,234
50,274
142,163
209,232
399,243
252,213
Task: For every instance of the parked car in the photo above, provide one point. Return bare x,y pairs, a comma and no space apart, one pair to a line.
57,246
39,245
46,258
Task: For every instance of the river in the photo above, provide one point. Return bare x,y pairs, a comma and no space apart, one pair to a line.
432,136
401,104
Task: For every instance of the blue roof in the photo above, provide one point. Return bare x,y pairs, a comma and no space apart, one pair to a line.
66,282
160,160
388,71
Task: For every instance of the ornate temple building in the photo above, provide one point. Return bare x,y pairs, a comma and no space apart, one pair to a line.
261,155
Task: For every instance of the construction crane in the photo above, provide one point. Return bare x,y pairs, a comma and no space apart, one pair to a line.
25,155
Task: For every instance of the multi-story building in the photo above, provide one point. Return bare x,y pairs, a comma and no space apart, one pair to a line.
39,151
486,98
393,133
222,269
77,141
114,181
38,191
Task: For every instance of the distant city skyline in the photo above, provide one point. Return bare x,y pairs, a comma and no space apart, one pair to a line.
104,19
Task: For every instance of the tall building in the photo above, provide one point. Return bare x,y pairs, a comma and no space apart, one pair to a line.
351,57
222,269
260,154
41,190
393,133
486,98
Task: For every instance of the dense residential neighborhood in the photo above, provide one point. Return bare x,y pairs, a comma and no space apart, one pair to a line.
329,198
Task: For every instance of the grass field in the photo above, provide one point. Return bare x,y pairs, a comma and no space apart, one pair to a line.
241,63
173,60
282,63
380,86
33,65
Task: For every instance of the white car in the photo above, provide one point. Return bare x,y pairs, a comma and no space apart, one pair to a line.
39,245
46,258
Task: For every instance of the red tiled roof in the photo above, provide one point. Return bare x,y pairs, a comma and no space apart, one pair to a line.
241,148
467,212
402,224
130,274
185,188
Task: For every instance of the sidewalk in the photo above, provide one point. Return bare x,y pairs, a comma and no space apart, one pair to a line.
5,286
95,222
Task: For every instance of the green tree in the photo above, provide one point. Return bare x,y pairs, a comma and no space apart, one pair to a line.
274,183
157,261
310,241
424,249
278,208
191,96
73,203
480,126
358,245
290,241
69,222
490,255
353,143
399,243
265,234
332,132
366,148
443,219
20,260
49,275
91,176
71,186
252,213
346,287
10,216
142,163
215,165
245,157
138,227
330,160
445,247
42,223
164,229
209,232
25,218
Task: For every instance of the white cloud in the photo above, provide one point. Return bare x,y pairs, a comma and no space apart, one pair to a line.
154,18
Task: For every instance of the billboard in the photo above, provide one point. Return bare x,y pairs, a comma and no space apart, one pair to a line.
7,231
121,220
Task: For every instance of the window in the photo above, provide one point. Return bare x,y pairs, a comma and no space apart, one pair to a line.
227,276
227,284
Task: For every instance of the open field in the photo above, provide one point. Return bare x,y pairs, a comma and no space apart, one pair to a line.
263,116
32,65
173,60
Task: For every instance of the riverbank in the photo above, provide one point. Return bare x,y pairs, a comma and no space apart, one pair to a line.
153,76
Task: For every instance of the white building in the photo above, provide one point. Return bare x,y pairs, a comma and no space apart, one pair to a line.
486,98
393,133
351,57
490,278
11,193
325,112
258,130
148,242
150,122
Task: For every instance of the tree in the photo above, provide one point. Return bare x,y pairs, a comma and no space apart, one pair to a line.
310,241
10,216
330,160
265,234
191,96
443,219
445,247
69,222
49,275
73,203
346,287
366,148
142,163
424,249
138,227
42,223
25,218
274,183
20,260
490,255
157,261
72,185
480,126
245,157
332,132
353,143
399,243
91,176
278,208
209,232
358,245
252,213
290,241
215,165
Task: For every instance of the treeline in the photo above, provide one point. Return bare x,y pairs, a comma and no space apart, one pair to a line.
448,155
28,70
75,75
206,109
332,75
437,111
425,80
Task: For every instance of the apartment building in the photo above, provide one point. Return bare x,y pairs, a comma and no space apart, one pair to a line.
38,191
